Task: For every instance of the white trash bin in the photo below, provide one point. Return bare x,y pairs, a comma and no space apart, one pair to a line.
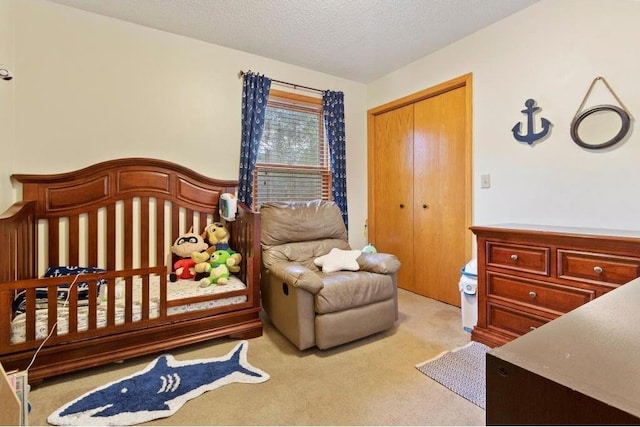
468,287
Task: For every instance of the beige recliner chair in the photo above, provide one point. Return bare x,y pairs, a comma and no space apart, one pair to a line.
312,308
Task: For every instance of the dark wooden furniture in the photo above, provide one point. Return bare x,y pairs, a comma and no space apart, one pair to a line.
529,275
582,368
120,215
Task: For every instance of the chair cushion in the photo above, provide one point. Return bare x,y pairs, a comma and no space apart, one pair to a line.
287,222
301,252
349,289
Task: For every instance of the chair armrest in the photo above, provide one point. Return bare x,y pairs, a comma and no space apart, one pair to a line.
298,276
378,263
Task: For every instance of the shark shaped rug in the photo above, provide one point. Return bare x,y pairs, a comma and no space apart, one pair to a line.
157,391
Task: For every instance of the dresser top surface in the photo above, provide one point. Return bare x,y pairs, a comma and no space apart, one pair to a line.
560,230
593,349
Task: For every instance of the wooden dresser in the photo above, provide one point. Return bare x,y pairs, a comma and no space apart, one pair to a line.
529,275
581,369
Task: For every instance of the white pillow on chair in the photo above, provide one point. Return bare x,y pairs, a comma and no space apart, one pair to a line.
338,259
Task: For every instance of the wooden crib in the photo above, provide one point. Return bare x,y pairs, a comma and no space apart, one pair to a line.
120,216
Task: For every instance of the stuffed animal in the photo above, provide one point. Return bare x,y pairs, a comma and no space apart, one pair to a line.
217,235
183,247
369,249
222,264
204,263
201,264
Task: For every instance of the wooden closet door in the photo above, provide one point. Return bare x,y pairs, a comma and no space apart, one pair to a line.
440,194
419,156
392,215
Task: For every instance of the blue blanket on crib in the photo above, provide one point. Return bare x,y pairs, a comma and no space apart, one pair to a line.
62,292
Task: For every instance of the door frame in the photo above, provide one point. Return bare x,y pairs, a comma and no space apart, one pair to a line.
466,81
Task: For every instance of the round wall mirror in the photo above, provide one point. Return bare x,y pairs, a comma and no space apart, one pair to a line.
600,127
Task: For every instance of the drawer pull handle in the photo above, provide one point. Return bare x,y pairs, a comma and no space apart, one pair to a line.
532,294
532,328
598,269
514,257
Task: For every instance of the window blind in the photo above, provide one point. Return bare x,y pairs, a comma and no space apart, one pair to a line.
292,162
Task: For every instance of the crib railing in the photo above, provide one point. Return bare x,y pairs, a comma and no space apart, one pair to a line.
103,295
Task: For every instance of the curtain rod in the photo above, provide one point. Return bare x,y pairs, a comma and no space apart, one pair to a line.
293,85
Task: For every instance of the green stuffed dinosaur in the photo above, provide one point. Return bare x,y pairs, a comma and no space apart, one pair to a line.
222,263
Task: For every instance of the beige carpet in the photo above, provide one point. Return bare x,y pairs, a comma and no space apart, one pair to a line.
369,382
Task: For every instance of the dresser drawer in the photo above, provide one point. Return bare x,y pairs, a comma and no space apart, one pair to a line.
513,322
530,259
603,269
558,298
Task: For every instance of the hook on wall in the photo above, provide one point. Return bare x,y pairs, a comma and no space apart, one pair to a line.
5,74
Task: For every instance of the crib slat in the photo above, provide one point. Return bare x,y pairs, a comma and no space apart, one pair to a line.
6,298
9,262
163,295
128,233
22,235
144,232
111,237
72,303
188,219
202,223
93,309
128,302
111,303
145,297
54,239
92,238
52,310
159,242
26,266
74,240
31,314
175,221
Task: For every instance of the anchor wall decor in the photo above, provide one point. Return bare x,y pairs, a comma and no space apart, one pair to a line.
531,137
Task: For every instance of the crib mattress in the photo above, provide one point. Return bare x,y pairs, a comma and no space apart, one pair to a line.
175,291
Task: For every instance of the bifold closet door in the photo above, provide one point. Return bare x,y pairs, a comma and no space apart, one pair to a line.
439,208
393,189
419,161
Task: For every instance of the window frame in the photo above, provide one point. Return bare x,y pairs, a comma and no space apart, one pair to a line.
291,100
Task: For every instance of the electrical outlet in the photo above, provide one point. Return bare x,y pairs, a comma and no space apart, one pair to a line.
485,181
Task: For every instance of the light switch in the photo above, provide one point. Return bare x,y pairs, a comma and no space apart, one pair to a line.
485,181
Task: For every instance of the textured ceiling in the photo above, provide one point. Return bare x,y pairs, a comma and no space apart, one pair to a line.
359,40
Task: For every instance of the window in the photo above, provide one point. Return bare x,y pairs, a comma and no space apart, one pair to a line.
293,158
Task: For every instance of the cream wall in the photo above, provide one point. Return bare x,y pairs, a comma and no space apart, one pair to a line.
92,88
6,104
550,52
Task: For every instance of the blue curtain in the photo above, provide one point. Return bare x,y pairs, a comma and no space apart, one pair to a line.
333,106
255,92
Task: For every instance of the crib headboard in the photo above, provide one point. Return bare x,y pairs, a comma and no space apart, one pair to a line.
117,214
